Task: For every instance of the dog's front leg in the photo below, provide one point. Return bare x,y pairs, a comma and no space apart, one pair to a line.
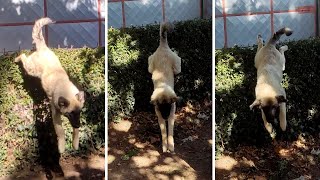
162,124
267,125
57,123
171,120
282,116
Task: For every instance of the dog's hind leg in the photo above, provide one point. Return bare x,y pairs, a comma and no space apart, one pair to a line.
57,124
163,128
171,120
282,49
282,116
259,42
28,64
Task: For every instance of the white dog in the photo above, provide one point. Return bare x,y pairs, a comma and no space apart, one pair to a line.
65,98
163,65
270,95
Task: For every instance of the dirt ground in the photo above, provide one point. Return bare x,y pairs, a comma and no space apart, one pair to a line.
73,168
134,146
299,160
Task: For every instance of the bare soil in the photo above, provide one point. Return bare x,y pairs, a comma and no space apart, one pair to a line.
75,168
134,146
299,159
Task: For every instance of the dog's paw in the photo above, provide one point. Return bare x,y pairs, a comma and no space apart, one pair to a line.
259,39
268,127
164,149
17,59
75,145
284,48
171,148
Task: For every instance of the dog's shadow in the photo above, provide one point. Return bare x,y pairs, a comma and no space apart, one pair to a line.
49,155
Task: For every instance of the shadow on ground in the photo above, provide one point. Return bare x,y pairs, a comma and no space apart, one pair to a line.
134,147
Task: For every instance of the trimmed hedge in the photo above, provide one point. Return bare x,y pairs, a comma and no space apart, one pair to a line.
130,85
26,129
235,83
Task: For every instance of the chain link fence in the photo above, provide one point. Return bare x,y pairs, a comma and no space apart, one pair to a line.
124,13
238,22
78,23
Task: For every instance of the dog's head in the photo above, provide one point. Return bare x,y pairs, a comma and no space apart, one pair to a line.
269,106
70,106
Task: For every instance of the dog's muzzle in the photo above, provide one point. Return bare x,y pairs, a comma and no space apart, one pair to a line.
74,118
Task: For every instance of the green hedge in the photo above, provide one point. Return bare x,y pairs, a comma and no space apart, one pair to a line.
26,129
235,83
130,85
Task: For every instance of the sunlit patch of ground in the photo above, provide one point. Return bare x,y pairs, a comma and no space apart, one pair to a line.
280,160
134,146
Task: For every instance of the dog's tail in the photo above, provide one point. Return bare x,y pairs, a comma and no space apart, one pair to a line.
276,36
164,29
37,35
163,98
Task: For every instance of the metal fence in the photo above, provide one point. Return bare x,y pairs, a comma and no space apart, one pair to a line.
238,22
123,13
78,23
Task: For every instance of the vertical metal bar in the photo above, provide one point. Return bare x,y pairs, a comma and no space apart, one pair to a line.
316,17
201,8
123,15
163,11
271,17
99,22
224,23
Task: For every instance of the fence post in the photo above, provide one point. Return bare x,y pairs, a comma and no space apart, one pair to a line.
317,14
99,22
123,15
201,8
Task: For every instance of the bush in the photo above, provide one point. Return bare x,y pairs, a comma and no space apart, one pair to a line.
129,82
26,131
235,83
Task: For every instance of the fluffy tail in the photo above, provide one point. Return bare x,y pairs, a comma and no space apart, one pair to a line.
37,35
276,36
164,29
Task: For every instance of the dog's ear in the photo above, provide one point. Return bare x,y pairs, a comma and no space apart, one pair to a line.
153,102
281,99
80,96
174,99
255,104
63,102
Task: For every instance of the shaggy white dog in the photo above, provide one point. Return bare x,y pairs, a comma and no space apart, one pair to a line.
163,65
270,95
